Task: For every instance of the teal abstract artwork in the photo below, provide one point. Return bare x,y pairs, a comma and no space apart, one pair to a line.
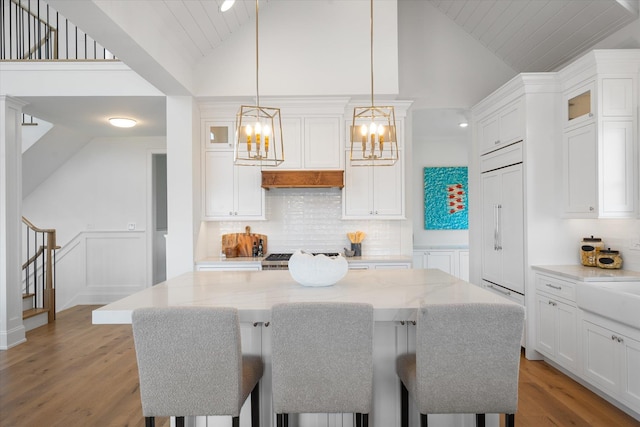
445,198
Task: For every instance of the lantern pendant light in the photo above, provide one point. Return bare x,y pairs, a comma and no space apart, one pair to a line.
373,131
258,140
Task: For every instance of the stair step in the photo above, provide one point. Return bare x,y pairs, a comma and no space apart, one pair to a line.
29,295
26,314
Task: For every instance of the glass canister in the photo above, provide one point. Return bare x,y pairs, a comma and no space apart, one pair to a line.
608,258
589,248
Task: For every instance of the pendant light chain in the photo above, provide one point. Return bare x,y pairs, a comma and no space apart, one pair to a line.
257,80
371,48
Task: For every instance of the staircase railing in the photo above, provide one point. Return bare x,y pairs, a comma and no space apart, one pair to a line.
32,30
39,268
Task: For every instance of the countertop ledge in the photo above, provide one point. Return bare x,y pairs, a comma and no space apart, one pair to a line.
258,260
589,274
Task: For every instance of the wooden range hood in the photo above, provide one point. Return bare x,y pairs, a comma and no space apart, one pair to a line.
303,179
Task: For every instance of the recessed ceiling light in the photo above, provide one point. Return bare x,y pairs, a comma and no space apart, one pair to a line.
463,124
226,5
122,122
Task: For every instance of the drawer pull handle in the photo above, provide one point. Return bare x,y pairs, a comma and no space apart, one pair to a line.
559,288
499,290
552,303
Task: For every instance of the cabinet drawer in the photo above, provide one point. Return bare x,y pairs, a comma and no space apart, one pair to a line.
554,286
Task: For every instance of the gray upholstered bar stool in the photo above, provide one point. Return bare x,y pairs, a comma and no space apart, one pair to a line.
467,361
190,363
322,359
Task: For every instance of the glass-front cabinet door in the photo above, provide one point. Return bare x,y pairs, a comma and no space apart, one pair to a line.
579,104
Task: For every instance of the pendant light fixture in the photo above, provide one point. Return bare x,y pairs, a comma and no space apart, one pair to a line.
258,139
373,131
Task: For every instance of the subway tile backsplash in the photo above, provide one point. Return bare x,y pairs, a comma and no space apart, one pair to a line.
310,219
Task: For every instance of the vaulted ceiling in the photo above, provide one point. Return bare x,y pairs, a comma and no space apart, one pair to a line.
528,35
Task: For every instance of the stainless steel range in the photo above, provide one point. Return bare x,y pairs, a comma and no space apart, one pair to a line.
281,261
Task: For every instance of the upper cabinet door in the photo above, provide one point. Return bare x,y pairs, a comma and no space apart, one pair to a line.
580,171
502,127
322,139
617,97
579,104
218,135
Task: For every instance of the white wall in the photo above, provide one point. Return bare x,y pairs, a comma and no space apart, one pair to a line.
441,66
90,201
437,141
307,48
445,71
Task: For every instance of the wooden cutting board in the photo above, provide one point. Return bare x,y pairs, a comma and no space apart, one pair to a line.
243,242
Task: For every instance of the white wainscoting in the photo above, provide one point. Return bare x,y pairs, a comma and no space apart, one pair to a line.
99,267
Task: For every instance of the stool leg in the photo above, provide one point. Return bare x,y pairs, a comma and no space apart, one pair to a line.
480,420
279,420
510,420
235,421
179,421
404,405
365,420
358,419
255,406
423,420
150,421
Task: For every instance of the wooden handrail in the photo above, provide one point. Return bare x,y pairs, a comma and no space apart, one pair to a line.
34,228
48,296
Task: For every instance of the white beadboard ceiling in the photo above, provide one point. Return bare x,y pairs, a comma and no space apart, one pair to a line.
539,35
528,35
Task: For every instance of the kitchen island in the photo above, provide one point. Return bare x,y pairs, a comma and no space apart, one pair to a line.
394,294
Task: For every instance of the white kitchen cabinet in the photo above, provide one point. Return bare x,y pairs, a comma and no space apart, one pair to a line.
312,143
231,192
599,172
230,266
600,138
378,265
579,104
502,127
612,359
503,227
451,261
374,192
218,134
557,321
579,170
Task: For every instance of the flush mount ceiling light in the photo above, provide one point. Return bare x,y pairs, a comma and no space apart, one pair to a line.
258,140
122,122
226,5
373,131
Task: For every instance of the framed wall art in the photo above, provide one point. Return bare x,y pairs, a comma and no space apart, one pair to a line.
445,198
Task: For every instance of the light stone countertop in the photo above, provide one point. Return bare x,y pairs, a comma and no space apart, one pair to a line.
258,260
395,294
589,274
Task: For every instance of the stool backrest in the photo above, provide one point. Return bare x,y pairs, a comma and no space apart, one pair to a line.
189,360
468,358
322,357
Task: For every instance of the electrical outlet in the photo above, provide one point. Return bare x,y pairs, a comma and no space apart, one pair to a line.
131,226
634,244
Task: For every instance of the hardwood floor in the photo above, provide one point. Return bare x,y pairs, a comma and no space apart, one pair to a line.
73,373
